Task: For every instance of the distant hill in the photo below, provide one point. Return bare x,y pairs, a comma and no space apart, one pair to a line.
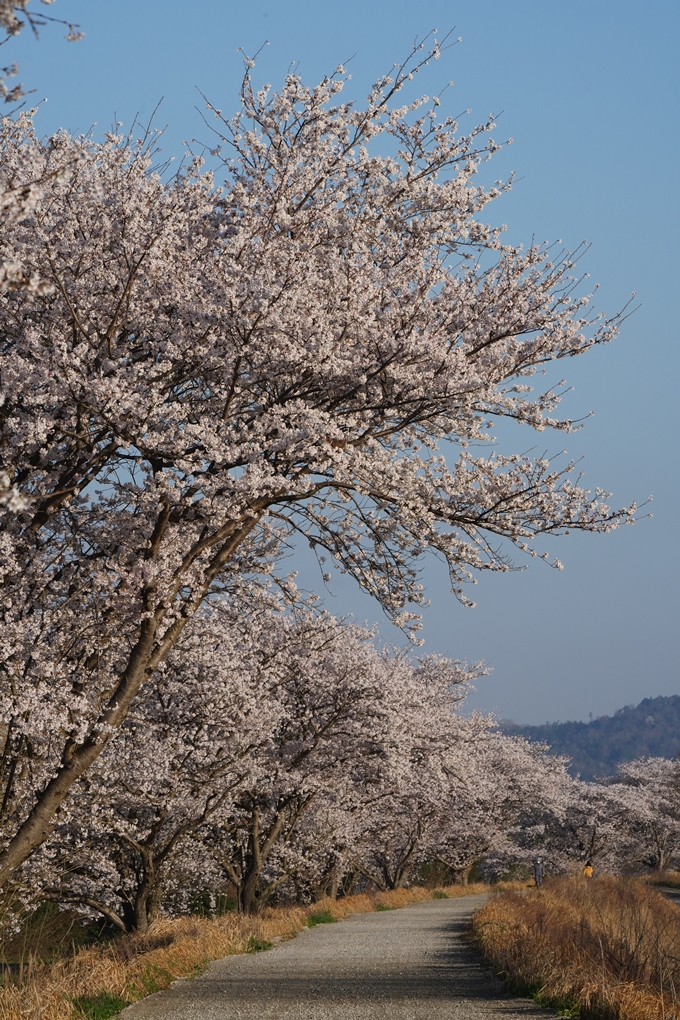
651,728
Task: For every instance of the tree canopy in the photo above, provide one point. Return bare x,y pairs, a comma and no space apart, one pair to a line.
192,372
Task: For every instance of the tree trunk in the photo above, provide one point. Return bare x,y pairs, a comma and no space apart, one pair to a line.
147,902
249,891
347,882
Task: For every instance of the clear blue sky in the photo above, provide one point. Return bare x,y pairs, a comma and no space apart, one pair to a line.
590,94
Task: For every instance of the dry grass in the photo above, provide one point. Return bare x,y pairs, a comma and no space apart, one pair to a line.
667,878
135,965
601,948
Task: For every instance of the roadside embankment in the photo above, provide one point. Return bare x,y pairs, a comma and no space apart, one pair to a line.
602,948
98,981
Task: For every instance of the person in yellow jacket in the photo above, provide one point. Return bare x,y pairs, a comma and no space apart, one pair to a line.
588,870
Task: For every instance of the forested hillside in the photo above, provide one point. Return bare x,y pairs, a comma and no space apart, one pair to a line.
597,747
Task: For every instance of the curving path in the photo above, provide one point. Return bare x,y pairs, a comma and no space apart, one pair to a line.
408,964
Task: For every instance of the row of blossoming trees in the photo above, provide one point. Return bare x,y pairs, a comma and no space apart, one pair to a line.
194,374
288,756
626,823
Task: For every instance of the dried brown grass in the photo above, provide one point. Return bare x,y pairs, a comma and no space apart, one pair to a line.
668,878
601,948
136,965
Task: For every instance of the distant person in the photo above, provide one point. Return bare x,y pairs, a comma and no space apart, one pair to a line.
588,870
539,872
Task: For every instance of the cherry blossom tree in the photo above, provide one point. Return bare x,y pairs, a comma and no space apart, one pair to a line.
580,822
507,779
121,838
203,370
596,827
653,788
418,787
459,804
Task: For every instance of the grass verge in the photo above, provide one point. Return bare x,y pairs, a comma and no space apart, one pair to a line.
96,982
670,879
598,949
98,1007
320,917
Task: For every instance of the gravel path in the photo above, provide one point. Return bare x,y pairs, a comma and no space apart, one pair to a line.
408,964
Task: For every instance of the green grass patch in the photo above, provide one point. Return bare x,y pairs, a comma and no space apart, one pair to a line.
155,979
256,945
99,1007
564,1006
439,895
383,906
322,917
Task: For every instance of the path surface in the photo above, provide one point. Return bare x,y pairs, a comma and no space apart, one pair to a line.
408,964
672,894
